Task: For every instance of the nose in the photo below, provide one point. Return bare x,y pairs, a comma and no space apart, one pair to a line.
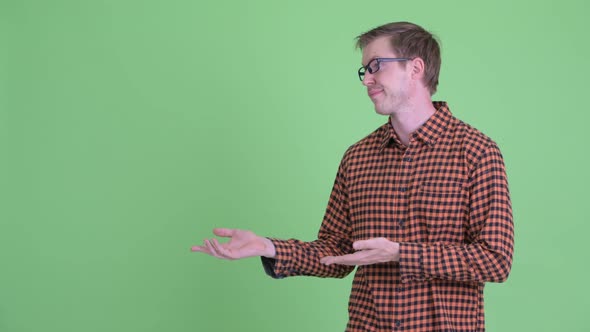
369,79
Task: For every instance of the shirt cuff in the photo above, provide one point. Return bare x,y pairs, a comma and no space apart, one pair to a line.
280,266
410,262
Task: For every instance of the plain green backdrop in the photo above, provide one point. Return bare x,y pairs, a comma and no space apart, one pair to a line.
129,129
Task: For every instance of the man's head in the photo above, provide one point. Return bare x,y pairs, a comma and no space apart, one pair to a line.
411,41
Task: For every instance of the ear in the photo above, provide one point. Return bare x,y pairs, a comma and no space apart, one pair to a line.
417,68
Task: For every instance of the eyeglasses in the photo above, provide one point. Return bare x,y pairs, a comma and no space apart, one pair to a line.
373,66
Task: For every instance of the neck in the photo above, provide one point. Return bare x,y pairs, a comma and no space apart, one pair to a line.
406,121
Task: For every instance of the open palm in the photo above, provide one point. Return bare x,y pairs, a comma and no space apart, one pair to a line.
242,244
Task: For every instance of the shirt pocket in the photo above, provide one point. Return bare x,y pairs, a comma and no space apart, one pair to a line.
439,210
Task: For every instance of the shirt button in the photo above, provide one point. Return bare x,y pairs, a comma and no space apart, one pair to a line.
398,323
403,190
399,289
407,159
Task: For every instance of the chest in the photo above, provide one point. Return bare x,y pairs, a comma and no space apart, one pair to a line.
416,195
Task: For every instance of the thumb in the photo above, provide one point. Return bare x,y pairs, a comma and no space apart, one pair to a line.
364,244
224,232
360,245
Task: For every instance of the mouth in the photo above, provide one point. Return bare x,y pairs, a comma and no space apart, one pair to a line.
373,93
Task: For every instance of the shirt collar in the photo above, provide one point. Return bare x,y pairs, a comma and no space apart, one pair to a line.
428,133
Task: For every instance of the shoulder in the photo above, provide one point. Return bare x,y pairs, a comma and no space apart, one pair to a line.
472,142
367,146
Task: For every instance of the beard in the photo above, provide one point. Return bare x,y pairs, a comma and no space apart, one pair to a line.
393,103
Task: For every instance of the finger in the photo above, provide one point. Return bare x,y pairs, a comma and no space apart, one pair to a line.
363,244
326,260
376,243
220,249
351,259
211,249
224,232
199,249
202,248
329,260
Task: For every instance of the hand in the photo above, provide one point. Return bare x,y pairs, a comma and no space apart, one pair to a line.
378,250
242,244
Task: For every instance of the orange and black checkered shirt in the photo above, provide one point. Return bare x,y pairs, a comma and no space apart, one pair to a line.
444,198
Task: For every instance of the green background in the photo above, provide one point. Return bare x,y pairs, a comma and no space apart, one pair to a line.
129,129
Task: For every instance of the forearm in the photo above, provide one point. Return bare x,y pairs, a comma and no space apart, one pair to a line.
478,262
298,258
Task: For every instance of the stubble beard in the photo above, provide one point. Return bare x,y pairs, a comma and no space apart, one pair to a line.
395,104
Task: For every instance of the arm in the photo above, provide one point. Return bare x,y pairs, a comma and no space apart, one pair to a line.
284,258
296,258
488,256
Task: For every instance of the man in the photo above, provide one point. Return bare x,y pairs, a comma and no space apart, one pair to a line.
421,205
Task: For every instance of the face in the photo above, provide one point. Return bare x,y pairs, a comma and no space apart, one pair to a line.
390,88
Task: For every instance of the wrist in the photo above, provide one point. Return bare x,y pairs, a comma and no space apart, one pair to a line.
395,251
269,248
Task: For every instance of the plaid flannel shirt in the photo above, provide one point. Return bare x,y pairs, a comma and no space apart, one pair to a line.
444,198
